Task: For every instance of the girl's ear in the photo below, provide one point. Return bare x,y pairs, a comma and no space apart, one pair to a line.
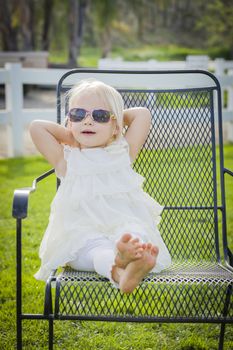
116,130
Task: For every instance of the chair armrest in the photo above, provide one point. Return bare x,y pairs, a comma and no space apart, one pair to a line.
230,255
21,196
227,171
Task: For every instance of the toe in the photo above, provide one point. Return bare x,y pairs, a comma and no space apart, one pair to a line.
140,249
155,251
138,245
126,237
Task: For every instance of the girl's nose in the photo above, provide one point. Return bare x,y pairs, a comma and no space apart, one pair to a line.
88,119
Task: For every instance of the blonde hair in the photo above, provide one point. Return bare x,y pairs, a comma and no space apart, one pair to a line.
110,96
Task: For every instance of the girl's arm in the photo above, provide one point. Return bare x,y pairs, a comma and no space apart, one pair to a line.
48,138
139,121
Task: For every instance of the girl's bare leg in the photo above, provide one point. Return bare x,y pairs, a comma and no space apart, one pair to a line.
129,249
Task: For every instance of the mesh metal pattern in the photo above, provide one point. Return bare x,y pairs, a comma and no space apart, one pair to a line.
177,159
185,291
179,165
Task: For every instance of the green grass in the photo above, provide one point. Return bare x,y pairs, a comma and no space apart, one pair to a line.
89,56
19,172
157,52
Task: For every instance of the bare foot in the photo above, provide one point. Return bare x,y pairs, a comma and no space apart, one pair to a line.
136,270
129,249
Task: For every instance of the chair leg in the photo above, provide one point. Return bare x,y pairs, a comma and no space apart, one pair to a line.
19,333
19,284
225,311
48,309
50,334
221,336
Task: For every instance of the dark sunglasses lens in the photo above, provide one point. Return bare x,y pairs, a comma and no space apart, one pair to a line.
77,114
101,116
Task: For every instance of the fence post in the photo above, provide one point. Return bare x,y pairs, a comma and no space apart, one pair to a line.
220,71
230,92
219,66
230,107
14,104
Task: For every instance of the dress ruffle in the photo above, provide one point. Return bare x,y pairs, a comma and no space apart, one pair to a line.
100,195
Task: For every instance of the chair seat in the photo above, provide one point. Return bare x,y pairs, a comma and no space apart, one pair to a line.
190,291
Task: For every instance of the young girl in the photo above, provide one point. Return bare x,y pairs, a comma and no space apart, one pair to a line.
101,220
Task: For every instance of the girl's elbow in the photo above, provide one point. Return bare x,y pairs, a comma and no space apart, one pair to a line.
148,114
34,127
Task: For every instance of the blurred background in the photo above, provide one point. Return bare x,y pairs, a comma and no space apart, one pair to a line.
79,32
110,34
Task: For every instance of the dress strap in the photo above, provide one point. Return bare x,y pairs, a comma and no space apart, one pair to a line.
118,146
67,151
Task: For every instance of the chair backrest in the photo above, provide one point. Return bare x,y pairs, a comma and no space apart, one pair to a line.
178,159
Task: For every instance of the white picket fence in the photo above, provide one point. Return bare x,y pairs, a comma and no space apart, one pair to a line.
219,65
15,117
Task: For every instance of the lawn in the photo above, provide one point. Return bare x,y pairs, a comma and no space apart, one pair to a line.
20,172
89,56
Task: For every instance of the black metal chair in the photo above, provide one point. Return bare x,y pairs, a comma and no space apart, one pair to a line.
178,161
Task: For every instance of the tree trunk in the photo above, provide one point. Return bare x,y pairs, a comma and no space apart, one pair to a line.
8,31
48,6
76,19
32,22
106,42
73,32
25,23
81,20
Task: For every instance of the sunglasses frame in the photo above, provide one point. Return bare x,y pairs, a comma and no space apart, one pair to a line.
90,113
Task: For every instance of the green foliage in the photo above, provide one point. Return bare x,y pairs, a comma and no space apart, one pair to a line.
105,11
20,172
218,23
108,25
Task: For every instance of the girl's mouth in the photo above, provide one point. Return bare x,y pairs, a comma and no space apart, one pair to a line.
88,132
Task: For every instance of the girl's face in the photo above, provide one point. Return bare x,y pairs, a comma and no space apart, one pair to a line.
88,132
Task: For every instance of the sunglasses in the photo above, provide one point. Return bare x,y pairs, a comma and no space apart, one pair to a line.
98,115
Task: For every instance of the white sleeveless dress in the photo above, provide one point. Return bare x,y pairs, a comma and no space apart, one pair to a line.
100,196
